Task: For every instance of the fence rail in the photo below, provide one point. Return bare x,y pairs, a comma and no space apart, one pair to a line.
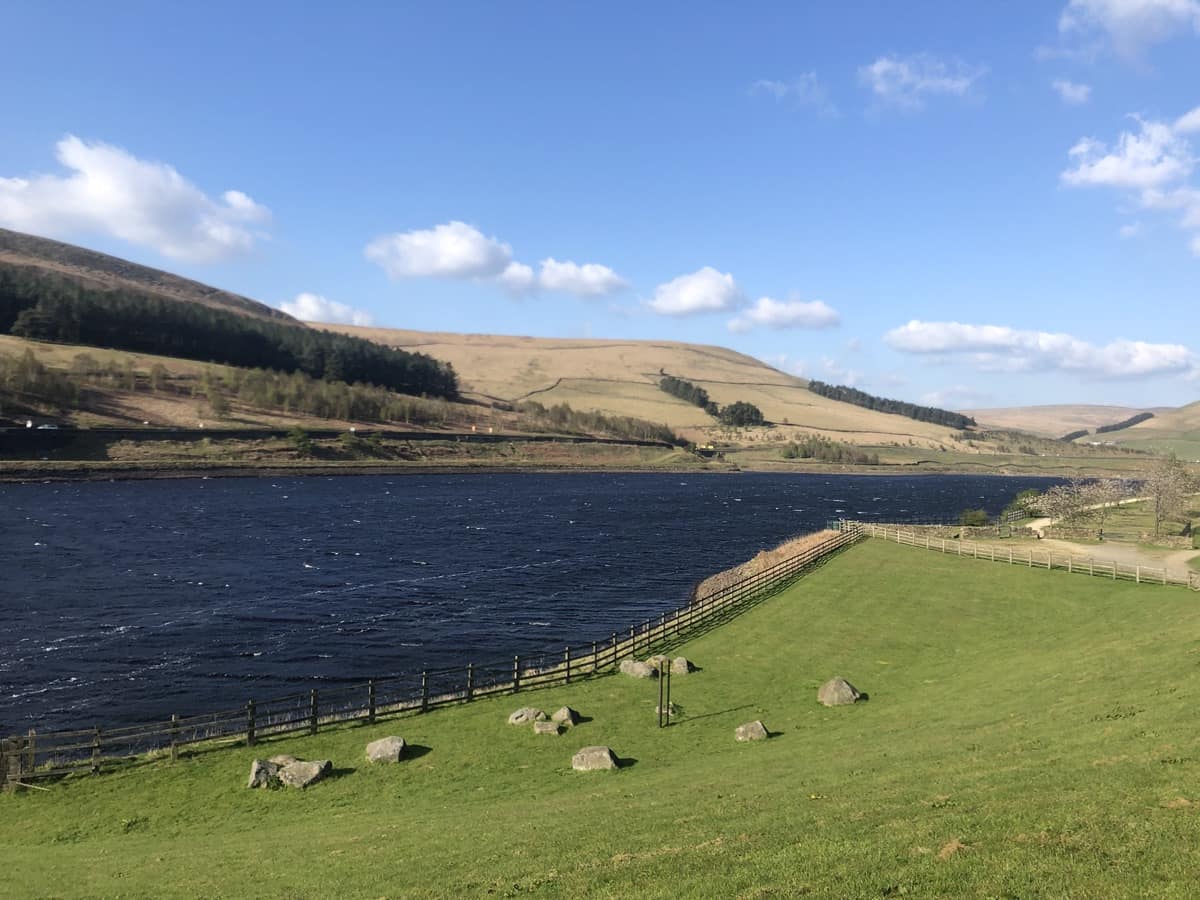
1030,558
35,755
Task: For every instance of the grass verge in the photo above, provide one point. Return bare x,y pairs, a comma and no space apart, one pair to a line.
1027,734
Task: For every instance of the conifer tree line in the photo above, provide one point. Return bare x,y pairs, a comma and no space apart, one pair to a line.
736,414
563,417
47,307
814,446
883,404
1125,423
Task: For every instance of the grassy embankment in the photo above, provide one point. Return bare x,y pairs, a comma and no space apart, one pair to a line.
1028,734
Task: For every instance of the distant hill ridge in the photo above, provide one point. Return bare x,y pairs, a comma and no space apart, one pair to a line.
111,272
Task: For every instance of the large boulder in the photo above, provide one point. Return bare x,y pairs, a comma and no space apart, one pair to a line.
283,759
302,774
681,665
751,731
635,668
658,662
565,716
388,749
263,774
525,715
837,692
591,759
545,728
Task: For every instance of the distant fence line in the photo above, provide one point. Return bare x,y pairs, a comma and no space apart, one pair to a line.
1048,559
35,755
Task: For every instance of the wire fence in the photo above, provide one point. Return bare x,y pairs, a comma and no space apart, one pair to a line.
32,756
1029,557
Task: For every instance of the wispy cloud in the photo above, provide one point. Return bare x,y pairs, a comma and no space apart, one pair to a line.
1129,26
109,191
906,82
1152,165
1000,348
805,91
1070,92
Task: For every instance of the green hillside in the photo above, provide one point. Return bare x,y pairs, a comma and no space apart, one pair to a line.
1028,734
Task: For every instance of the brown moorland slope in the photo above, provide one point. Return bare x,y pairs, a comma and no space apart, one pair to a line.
620,377
110,272
1051,421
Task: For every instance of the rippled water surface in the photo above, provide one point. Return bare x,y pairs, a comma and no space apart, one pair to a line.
124,602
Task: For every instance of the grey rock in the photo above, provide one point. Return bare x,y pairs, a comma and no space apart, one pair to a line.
263,774
525,715
283,759
681,665
751,731
302,774
658,662
388,749
565,716
637,669
545,728
837,692
591,759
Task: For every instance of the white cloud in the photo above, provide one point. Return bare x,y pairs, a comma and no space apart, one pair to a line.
518,279
587,280
1070,92
1000,348
452,250
460,251
1131,25
769,313
109,191
1154,165
1152,157
959,396
805,90
905,82
705,290
315,308
1131,230
839,374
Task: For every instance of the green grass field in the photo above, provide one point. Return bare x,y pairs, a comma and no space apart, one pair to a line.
1028,734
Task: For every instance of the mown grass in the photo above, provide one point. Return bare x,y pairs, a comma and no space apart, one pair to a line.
1028,734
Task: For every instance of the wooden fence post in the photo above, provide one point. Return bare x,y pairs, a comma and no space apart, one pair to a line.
425,691
31,745
9,780
312,712
250,738
96,751
1137,575
371,701
470,680
174,737
614,649
567,663
516,674
633,640
595,660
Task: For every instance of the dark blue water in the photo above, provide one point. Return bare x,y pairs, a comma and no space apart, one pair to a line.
125,602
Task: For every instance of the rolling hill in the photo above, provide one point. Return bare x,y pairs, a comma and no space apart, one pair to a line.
1052,421
103,271
621,378
1171,430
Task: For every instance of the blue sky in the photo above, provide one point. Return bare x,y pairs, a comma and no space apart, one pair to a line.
959,204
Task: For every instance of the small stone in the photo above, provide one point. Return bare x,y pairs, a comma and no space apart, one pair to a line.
302,774
591,759
751,731
525,715
837,692
565,716
681,665
545,728
263,774
388,749
637,669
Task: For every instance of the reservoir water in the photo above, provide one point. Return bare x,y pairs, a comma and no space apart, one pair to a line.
123,602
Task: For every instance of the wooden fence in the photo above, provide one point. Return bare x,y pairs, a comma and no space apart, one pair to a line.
1029,557
36,755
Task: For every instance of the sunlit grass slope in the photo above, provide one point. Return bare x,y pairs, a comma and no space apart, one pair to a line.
1028,734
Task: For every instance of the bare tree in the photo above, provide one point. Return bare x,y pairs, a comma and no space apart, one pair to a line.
1167,484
